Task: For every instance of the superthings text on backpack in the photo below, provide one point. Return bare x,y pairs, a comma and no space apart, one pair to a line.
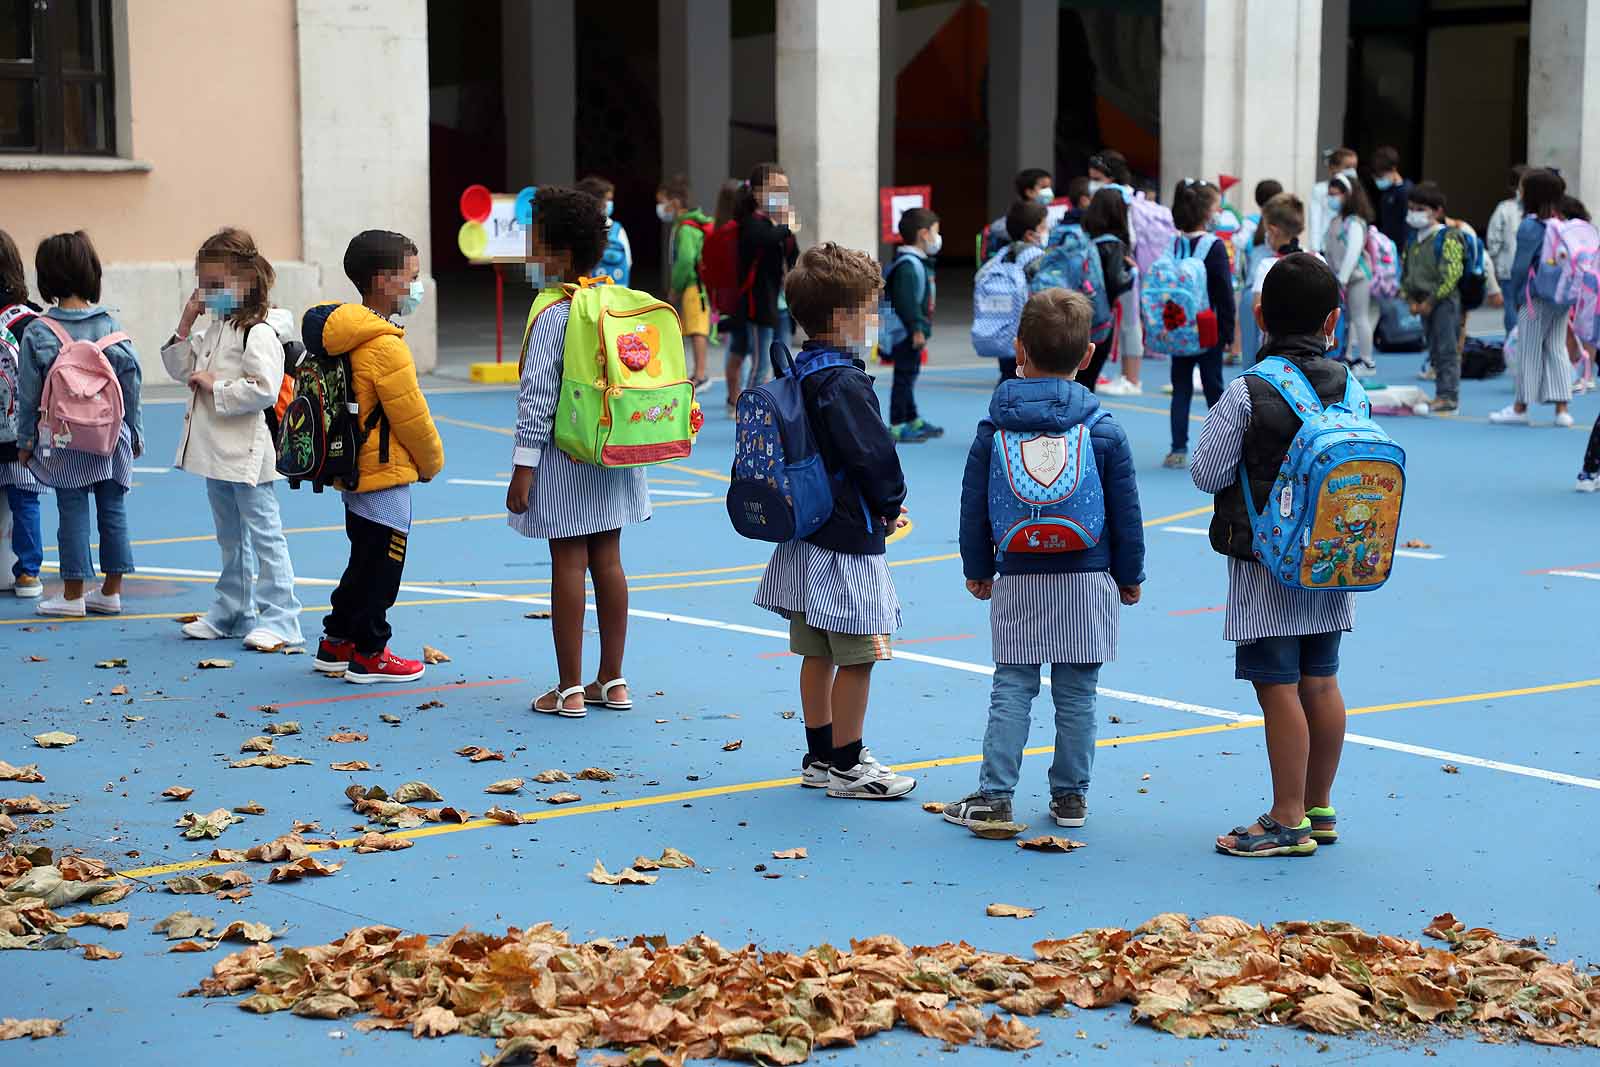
1072,262
626,399
81,404
1332,517
1045,493
321,431
780,490
998,294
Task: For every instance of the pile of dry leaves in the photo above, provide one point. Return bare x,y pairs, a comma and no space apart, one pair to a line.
546,998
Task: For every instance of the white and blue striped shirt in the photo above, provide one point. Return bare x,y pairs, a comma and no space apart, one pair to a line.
1054,618
1259,606
389,507
835,591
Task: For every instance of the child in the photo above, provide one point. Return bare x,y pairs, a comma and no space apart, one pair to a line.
1251,248
1500,240
1108,167
1033,184
1543,370
1339,161
401,446
1056,608
767,249
234,371
734,328
69,278
579,508
1077,199
22,488
1579,351
910,279
1028,226
1249,234
834,586
616,259
1193,205
1430,281
1287,639
1394,194
1345,243
685,240
1106,223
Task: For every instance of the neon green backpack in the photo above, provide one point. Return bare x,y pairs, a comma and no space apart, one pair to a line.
626,399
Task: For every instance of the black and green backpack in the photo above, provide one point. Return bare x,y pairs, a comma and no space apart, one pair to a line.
320,435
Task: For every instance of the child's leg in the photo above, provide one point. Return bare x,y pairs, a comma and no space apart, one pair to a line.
699,342
569,562
232,613
1130,335
903,388
1211,377
1182,394
369,585
116,553
816,707
26,540
1325,717
1444,324
1591,459
848,704
1010,716
611,604
1072,688
72,506
276,606
1288,749
346,602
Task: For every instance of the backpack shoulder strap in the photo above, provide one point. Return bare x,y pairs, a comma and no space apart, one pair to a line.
1292,384
1202,247
56,328
832,359
1094,420
112,339
1355,396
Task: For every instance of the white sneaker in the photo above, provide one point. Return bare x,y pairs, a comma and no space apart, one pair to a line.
1588,483
200,630
1121,387
27,587
1509,416
868,781
1564,419
263,640
814,775
102,603
62,607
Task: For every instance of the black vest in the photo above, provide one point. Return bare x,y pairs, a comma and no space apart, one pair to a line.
1272,429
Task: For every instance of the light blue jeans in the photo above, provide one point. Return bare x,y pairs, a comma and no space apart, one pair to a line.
111,513
761,342
1072,687
256,587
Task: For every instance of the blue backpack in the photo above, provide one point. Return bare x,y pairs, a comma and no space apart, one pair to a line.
780,491
1044,491
1332,519
1072,262
1175,297
998,294
891,327
614,261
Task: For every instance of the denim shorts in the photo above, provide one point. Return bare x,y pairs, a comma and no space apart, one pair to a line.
1284,660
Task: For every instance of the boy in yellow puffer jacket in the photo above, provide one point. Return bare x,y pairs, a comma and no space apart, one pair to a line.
401,447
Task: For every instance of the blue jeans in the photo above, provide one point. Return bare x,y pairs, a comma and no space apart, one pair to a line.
1072,687
761,338
256,587
26,540
111,512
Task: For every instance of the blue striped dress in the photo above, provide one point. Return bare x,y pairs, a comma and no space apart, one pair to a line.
841,593
1054,618
1259,606
569,499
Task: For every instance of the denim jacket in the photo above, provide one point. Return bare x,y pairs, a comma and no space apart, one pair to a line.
39,349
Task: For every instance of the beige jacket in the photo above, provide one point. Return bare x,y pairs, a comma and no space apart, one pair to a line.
224,431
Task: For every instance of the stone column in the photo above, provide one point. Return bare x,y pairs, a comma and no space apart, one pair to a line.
539,58
827,91
1564,93
696,94
1335,76
1022,93
364,140
888,74
1241,86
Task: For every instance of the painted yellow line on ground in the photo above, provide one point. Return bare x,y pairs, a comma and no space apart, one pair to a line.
1472,698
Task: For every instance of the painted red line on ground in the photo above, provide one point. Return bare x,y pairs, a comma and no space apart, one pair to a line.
907,641
398,691
1573,567
1200,611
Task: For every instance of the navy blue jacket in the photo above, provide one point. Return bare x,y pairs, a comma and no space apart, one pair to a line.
1054,405
868,485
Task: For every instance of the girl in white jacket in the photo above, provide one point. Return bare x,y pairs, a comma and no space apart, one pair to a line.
234,370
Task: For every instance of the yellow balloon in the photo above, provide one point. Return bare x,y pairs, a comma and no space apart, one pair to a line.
472,239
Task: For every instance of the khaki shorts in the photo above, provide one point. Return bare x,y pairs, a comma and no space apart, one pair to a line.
694,314
846,650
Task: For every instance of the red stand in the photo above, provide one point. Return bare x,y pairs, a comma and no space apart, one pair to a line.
499,313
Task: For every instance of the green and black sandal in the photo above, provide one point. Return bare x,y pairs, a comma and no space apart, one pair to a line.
1274,840
1324,825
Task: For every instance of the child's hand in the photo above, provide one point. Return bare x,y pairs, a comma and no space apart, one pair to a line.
519,490
191,311
1130,594
918,340
202,381
980,590
24,455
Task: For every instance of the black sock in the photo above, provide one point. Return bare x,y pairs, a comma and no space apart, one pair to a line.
846,756
819,744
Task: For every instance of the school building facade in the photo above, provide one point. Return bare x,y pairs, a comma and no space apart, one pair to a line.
314,119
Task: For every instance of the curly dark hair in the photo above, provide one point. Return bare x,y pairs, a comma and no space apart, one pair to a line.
13,282
570,220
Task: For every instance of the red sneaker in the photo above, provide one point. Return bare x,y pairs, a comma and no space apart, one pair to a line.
333,656
383,667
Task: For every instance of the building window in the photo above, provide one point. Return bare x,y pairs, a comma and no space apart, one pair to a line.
56,79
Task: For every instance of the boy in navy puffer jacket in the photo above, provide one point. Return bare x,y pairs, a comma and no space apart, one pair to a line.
1058,608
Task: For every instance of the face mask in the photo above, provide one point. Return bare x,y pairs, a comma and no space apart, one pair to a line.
412,300
935,242
1040,237
1095,187
1384,183
777,202
221,302
1419,220
1045,196
609,207
1336,204
869,339
664,213
534,272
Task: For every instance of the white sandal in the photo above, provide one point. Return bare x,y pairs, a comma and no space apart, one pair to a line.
606,701
561,708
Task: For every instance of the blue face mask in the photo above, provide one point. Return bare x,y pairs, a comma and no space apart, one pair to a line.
609,206
221,302
412,300
535,274
1045,195
1384,183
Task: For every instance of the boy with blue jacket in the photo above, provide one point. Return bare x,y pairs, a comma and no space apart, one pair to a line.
1055,607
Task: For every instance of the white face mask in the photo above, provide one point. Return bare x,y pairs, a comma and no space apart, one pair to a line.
412,300
1095,187
869,339
1045,195
664,212
1419,220
777,202
935,242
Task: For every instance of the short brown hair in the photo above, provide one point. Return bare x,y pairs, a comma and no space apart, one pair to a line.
1055,329
237,252
597,187
68,266
1343,156
1287,212
677,188
829,278
13,282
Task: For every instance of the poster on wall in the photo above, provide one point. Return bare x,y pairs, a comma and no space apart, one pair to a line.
896,200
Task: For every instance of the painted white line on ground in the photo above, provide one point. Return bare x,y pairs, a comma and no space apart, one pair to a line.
152,470
476,481
1474,761
1192,531
1408,553
1593,576
678,492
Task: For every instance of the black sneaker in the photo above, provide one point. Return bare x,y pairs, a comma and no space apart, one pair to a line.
975,809
1069,809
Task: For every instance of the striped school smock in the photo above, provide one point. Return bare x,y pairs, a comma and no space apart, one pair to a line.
389,507
841,593
1258,605
1054,618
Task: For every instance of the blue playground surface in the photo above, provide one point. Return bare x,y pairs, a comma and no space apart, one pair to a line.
1470,658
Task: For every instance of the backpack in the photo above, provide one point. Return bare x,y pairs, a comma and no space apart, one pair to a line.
719,269
614,260
1569,252
626,399
1480,360
292,351
998,294
1333,515
14,319
1586,307
1175,304
992,240
1384,259
1072,262
1399,328
1473,284
81,405
892,328
779,490
1044,491
1153,231
320,432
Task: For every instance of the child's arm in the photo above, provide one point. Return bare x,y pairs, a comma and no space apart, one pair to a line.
1219,285
260,378
1352,250
976,537
1124,518
177,356
1530,238
130,378
905,293
536,404
1452,261
687,243
37,349
1217,455
851,419
400,395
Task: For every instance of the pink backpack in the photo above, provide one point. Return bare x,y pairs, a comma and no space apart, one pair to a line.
81,405
1153,231
1385,263
1569,254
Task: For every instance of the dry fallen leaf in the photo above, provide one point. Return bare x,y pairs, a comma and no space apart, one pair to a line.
119,690
257,744
934,807
273,761
551,776
1008,911
351,765
733,746
392,720
54,739
239,930
300,868
111,664
478,754
250,808
214,664
431,655
228,855
346,738
997,831
181,925
1414,543
1050,843
505,785
672,859
562,798
29,805
279,729
1450,768
505,815
190,946
177,792
375,842
11,1029
287,847
600,876
195,826
410,792
100,952
29,773
790,854
596,774
537,615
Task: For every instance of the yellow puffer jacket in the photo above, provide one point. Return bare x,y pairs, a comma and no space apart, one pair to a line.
405,446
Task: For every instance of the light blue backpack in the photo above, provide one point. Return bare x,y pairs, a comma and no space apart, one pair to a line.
614,261
998,294
1072,262
1044,491
1175,300
1332,518
891,327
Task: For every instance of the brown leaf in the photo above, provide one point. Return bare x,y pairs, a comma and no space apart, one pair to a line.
1414,543
1450,768
733,746
286,847
431,655
562,798
281,729
82,869
1330,1013
375,842
257,744
552,776
119,690
106,920
434,1021
196,826
505,815
177,792
214,664
351,765
227,855
411,792
1008,911
1050,843
100,952
300,868
190,946
29,773
252,933
10,1029
1444,927
600,876
29,805
182,924
1012,1033
478,754
112,894
234,895
790,854
272,761
346,738
326,1006
111,664
505,785
596,774
934,807
250,808
672,859
54,739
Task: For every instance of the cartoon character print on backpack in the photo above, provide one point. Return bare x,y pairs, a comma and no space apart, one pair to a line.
639,350
1045,494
